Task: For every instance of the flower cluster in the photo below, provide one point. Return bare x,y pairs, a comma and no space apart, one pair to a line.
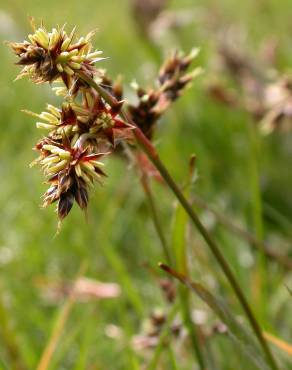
78,135
278,106
48,56
173,78
266,97
86,127
70,171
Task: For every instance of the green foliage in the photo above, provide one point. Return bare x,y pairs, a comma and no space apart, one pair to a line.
119,237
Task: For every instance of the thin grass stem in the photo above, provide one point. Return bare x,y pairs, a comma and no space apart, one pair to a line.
9,340
163,337
181,261
283,260
155,218
62,318
257,215
179,246
151,152
220,259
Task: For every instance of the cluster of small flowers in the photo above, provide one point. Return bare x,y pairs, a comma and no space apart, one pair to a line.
48,56
173,78
78,134
85,127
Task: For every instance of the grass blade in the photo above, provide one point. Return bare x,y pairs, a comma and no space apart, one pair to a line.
9,340
163,336
179,247
237,331
279,343
61,320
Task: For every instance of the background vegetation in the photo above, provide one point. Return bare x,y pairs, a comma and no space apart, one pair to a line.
244,175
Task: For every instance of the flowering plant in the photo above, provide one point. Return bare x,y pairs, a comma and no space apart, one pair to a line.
86,127
92,122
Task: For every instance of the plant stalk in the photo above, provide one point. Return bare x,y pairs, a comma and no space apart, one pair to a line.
151,152
220,259
155,218
283,260
58,328
165,248
260,274
8,338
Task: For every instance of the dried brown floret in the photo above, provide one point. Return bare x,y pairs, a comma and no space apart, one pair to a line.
173,78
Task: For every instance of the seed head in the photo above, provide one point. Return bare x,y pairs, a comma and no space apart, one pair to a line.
85,127
48,56
173,78
70,171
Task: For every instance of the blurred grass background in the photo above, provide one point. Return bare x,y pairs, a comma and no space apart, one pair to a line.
119,238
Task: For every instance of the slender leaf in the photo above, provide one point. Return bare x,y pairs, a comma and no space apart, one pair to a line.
237,331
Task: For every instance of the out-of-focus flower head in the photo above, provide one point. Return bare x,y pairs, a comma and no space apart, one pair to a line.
173,78
146,12
84,289
152,327
266,96
49,55
278,103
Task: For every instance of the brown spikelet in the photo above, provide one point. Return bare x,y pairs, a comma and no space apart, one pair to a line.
65,204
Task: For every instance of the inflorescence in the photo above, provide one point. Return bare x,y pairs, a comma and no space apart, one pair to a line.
85,128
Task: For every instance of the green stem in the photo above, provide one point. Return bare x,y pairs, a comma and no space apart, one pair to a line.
270,253
162,339
179,245
144,180
214,248
257,214
183,296
255,182
173,359
220,259
192,328
155,218
8,338
181,261
59,325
